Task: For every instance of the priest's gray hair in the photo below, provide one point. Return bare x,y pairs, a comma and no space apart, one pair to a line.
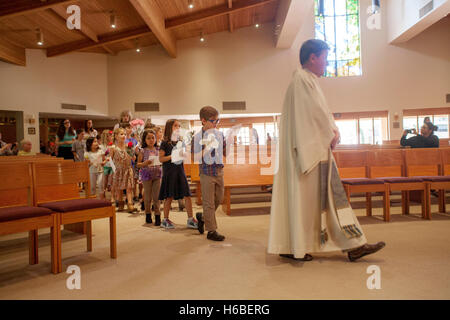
315,46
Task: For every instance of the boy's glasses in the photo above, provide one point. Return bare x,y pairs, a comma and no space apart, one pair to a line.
214,121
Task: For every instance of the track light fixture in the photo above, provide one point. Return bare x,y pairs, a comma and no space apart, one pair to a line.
112,20
39,37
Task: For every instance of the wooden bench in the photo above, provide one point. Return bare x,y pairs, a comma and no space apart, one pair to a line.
17,213
355,178
55,187
244,176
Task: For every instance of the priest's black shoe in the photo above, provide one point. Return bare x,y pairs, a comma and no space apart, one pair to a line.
215,236
365,250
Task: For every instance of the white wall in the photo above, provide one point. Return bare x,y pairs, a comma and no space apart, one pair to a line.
244,65
45,83
403,15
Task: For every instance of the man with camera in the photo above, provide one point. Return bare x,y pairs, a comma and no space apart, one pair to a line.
426,138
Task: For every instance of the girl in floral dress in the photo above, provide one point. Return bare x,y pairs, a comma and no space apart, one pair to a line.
123,177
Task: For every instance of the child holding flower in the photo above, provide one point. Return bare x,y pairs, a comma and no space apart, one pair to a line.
123,177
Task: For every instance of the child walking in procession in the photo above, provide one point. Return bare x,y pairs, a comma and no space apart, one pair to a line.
106,143
79,146
150,174
210,155
174,183
123,176
96,159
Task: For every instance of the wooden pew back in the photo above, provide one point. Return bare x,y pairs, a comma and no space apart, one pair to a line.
445,158
59,181
352,164
240,175
422,162
385,163
16,185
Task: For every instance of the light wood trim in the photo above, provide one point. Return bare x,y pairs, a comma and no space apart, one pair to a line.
213,12
425,111
85,30
102,40
154,18
24,225
12,53
86,215
11,8
359,115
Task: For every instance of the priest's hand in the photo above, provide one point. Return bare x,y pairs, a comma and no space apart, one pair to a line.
336,139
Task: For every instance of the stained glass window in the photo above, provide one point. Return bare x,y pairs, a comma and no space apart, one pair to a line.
337,23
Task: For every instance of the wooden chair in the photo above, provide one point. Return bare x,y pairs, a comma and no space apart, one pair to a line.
435,162
421,164
445,166
354,174
17,213
56,188
384,163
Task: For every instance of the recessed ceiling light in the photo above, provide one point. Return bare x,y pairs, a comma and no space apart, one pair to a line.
190,4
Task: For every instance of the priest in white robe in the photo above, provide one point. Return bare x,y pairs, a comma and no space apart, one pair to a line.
310,212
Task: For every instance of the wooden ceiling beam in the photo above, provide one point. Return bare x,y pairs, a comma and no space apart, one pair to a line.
214,12
109,50
12,53
230,16
86,30
154,18
11,8
102,40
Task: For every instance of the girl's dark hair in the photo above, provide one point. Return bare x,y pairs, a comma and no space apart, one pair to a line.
62,130
86,128
144,136
89,143
431,127
168,130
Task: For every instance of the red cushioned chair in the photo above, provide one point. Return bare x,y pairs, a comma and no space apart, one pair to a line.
56,188
17,213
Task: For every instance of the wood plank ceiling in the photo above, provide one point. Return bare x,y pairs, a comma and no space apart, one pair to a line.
139,23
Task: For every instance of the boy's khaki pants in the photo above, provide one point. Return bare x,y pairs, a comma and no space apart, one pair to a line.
212,197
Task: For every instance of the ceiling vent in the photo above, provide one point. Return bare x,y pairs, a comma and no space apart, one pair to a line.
146,106
427,8
233,105
73,106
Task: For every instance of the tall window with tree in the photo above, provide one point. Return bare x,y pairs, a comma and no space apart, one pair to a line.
337,23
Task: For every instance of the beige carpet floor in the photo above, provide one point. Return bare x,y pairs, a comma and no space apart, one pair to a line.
154,263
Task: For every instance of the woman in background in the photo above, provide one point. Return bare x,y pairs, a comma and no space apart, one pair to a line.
89,130
64,139
125,117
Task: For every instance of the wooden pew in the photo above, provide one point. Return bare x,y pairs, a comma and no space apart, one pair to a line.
383,163
55,187
244,176
444,185
17,213
425,163
353,170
